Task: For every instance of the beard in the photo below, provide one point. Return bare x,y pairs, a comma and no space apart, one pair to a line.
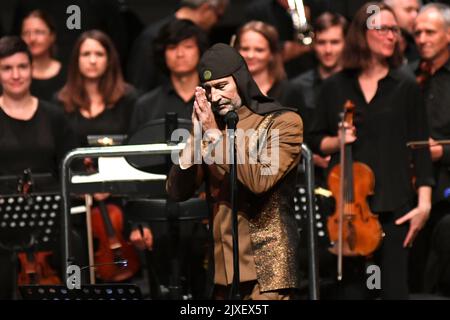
223,106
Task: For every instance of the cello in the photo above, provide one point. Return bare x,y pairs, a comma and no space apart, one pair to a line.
353,229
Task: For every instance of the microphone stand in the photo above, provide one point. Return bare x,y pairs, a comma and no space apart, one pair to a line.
231,119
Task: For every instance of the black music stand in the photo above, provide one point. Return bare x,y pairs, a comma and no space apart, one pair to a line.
156,131
158,210
29,222
307,168
87,292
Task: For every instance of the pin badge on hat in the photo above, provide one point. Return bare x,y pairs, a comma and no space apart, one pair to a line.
207,75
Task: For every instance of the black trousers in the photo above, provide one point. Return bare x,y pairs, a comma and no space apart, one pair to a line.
391,258
423,248
6,275
437,271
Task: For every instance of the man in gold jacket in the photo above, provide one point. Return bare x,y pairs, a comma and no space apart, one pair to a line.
268,148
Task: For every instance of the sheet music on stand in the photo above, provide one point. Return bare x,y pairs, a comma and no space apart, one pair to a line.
87,292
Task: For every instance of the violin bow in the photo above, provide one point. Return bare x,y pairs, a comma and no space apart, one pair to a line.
342,199
88,203
425,143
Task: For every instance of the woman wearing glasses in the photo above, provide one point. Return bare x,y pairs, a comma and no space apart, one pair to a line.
389,112
38,32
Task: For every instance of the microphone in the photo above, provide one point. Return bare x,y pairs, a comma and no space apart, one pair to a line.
231,119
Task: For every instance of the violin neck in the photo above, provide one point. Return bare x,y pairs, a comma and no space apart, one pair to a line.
349,192
106,220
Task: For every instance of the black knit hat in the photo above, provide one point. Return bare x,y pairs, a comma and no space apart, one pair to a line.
221,61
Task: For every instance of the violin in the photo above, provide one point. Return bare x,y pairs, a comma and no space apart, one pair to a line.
35,269
115,259
353,229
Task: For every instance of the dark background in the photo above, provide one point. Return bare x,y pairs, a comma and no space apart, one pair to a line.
147,10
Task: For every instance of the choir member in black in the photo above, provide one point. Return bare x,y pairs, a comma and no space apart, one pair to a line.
39,33
329,39
178,47
258,43
389,113
96,99
406,12
432,35
142,71
72,18
33,134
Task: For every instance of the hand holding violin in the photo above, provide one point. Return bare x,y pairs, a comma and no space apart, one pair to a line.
332,144
350,132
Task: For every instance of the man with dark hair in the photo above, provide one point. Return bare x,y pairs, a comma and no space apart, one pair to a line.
141,71
268,239
329,39
178,49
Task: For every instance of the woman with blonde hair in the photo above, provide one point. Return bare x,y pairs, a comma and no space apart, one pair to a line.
258,43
